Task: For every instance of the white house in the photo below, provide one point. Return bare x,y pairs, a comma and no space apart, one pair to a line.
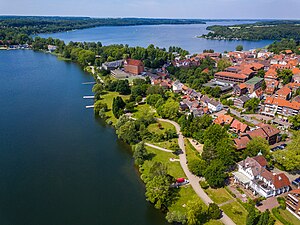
252,174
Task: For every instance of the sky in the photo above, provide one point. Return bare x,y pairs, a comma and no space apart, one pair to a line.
206,9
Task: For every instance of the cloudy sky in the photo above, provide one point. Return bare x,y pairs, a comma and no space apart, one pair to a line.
155,8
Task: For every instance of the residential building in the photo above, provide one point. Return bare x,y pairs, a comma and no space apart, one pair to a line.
133,66
293,202
253,84
281,107
223,119
52,48
284,93
240,89
241,142
265,131
177,86
253,174
240,102
214,106
239,127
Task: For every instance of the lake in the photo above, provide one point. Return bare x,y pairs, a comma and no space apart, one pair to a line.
59,165
184,36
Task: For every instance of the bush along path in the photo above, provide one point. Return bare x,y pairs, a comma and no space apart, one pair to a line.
194,180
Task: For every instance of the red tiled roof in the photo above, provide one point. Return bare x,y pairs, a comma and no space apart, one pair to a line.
134,62
223,119
281,180
269,130
261,160
242,85
257,133
232,75
239,126
283,103
241,143
284,92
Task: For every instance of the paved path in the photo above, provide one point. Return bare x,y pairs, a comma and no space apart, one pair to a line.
159,148
194,180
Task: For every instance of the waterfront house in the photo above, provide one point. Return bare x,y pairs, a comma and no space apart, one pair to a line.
253,174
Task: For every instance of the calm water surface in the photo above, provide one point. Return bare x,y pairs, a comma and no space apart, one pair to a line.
184,36
59,165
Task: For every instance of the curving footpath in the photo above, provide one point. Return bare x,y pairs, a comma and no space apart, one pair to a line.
194,180
157,147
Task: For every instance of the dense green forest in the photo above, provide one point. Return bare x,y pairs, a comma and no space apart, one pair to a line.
18,29
272,30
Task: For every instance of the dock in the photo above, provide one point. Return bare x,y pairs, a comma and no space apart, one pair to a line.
89,97
89,106
93,82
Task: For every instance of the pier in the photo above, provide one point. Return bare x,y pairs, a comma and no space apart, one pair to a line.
89,97
93,82
89,106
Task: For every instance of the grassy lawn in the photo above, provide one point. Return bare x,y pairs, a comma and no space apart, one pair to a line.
108,99
170,144
214,222
153,128
140,109
174,168
289,217
236,212
190,151
186,194
219,195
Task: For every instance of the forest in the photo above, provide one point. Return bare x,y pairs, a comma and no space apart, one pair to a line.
271,30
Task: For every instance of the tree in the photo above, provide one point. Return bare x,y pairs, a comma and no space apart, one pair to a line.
99,106
239,48
128,133
215,174
223,64
290,157
123,87
295,120
153,99
118,106
252,105
195,214
86,57
215,133
266,219
176,217
256,145
140,153
158,191
197,166
169,109
155,89
261,73
252,216
285,75
214,211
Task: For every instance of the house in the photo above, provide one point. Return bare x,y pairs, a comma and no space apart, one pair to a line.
271,86
293,202
271,74
284,93
223,119
240,102
214,106
253,175
257,94
239,127
253,84
241,142
240,89
52,48
265,131
133,66
177,86
230,76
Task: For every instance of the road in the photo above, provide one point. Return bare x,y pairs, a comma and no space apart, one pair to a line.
194,180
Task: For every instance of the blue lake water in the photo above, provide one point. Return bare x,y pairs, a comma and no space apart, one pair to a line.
184,36
59,165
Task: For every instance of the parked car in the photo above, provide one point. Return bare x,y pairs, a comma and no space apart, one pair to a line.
296,182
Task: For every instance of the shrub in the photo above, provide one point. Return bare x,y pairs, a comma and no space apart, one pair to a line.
204,184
